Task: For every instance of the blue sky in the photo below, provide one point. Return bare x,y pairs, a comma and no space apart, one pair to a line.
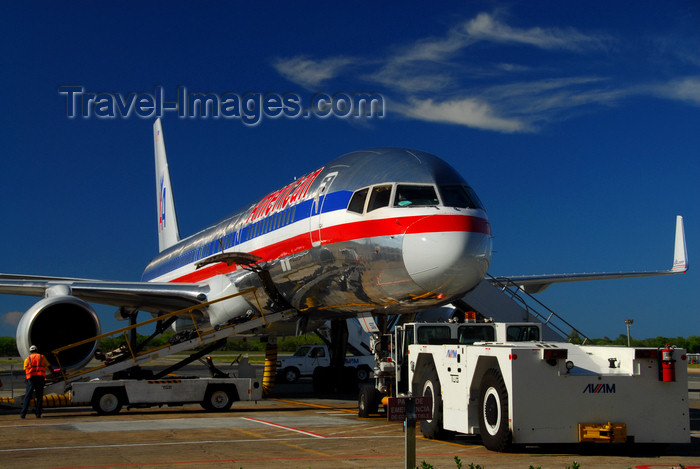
578,124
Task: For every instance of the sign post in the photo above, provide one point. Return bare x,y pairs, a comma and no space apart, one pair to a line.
409,410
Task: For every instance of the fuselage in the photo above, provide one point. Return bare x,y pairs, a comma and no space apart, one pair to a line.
383,230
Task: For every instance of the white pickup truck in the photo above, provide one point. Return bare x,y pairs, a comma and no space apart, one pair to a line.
308,357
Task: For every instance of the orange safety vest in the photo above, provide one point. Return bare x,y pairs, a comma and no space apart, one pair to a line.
34,365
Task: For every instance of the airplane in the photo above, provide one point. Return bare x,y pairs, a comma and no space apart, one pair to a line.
378,232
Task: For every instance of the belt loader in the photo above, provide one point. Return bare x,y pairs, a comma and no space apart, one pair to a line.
499,381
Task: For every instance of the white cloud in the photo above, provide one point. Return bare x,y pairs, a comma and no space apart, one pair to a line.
409,79
433,78
470,112
11,319
517,107
434,49
686,89
487,28
553,94
310,73
429,65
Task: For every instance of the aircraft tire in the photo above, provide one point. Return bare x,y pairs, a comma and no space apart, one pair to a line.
108,401
368,401
493,412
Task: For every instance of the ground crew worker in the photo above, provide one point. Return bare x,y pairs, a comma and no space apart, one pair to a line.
35,370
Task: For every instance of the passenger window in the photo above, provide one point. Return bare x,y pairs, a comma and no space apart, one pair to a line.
414,196
459,196
357,202
379,198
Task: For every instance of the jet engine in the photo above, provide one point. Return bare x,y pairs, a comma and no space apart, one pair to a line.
55,322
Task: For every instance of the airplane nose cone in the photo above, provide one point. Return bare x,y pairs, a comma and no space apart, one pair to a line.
451,261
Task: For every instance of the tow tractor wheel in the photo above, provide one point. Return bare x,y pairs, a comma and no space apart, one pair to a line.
107,401
430,386
218,399
493,412
368,401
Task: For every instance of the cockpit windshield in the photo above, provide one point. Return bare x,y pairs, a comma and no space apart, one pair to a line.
379,197
357,202
412,196
460,196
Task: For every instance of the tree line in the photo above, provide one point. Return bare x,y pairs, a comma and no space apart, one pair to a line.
691,344
8,345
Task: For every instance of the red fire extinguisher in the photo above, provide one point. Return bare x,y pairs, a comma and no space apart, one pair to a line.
668,364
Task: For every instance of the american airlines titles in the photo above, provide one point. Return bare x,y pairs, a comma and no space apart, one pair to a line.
283,198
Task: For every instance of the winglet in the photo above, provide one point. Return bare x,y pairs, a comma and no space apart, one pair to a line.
680,252
168,231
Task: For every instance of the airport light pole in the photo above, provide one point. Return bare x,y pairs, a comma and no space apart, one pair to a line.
628,322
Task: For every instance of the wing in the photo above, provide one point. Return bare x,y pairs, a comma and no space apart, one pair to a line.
146,296
537,283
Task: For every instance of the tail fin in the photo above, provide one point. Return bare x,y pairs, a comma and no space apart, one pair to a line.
168,231
680,252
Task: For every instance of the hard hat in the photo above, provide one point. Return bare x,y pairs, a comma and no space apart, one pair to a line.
32,349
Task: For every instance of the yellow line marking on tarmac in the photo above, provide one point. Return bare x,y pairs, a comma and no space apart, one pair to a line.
308,450
447,442
289,445
318,406
249,433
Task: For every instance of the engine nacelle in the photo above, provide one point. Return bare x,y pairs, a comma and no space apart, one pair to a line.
55,322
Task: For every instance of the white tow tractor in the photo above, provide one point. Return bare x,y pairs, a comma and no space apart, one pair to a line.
499,381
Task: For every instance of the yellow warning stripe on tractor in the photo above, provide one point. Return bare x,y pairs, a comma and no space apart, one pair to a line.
602,432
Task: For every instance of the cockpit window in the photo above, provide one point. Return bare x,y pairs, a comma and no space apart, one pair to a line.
408,195
460,196
379,197
357,202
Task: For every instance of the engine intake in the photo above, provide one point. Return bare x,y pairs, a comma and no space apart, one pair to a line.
55,322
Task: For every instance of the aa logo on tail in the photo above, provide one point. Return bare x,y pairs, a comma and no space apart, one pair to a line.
161,204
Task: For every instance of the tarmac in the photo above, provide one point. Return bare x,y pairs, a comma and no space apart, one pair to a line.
291,429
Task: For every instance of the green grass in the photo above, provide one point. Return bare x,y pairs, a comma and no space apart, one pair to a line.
224,358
